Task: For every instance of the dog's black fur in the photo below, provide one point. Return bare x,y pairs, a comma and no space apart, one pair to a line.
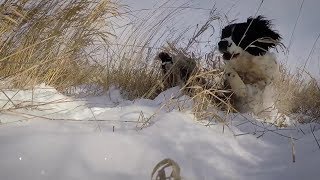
246,34
165,59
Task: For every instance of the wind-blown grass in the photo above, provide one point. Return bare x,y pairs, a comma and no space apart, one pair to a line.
52,41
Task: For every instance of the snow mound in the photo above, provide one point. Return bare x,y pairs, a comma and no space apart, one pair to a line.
108,137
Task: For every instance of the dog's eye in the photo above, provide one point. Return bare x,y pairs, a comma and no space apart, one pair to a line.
229,44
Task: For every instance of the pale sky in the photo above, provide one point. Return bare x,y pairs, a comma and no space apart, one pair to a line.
284,14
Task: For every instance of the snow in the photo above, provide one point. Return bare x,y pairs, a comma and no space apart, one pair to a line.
46,135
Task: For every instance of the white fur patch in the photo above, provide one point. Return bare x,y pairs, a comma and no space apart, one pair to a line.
256,68
257,74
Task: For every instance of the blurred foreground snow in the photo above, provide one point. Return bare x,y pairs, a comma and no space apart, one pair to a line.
108,137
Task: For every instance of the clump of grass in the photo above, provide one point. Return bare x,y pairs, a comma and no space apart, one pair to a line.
287,88
310,94
52,42
298,94
206,86
136,71
136,82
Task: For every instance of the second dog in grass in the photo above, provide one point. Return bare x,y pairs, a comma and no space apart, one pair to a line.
176,69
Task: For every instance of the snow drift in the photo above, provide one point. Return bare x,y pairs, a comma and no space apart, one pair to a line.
108,137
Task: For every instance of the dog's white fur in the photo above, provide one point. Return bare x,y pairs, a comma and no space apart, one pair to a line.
252,79
256,70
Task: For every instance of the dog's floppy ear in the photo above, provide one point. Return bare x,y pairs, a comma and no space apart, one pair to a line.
266,37
263,26
259,21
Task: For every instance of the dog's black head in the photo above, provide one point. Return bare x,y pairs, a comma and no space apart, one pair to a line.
254,36
165,60
165,57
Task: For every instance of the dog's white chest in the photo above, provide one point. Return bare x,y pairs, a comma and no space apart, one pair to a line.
253,69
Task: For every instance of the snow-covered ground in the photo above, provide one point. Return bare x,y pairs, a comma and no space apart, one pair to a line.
46,135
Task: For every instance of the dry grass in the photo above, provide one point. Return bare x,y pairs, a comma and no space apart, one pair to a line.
310,96
206,86
298,95
66,44
60,44
52,41
131,59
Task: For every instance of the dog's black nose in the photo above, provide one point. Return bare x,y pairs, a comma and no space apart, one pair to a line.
223,45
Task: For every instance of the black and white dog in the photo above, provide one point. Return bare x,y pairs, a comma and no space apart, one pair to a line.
176,69
250,68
